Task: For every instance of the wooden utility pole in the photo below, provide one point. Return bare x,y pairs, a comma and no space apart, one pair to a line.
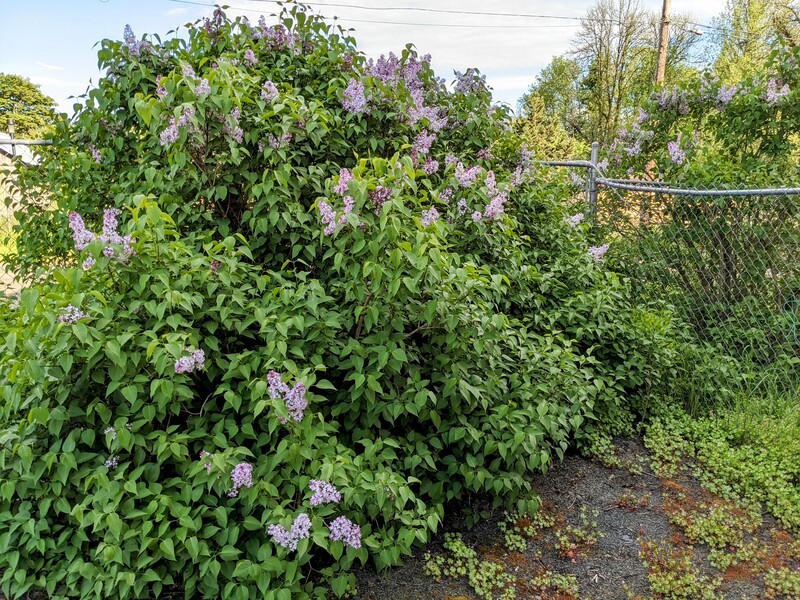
663,41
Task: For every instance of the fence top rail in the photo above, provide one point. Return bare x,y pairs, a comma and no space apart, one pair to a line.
639,186
24,142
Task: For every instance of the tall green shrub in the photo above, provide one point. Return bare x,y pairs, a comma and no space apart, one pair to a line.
309,301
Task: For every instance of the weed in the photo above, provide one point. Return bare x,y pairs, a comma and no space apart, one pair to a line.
672,575
782,583
628,500
571,540
518,529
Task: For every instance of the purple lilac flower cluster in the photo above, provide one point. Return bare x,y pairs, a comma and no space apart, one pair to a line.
354,100
726,94
775,91
276,37
188,71
203,88
231,126
431,166
301,528
250,59
574,220
278,142
323,492
379,196
429,217
206,457
242,476
417,111
269,91
423,141
676,155
671,99
446,195
96,155
469,82
344,530
295,397
135,47
194,362
112,462
83,237
466,175
330,218
71,315
597,252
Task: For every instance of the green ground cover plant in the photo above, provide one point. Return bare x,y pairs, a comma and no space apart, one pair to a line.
308,303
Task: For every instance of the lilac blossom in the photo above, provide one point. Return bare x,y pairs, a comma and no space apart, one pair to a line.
111,431
385,69
231,127
726,94
345,176
574,220
295,398
344,530
446,195
82,236
495,208
112,462
417,111
323,492
476,216
429,216
462,207
423,141
215,265
161,91
194,362
96,155
171,134
773,93
450,159
328,216
88,263
188,71
354,100
466,176
276,37
276,143
134,46
270,91
202,88
250,58
642,116
676,155
469,82
242,476
301,528
379,197
71,315
486,153
207,457
431,166
597,252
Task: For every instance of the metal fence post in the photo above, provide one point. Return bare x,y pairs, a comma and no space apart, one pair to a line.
592,183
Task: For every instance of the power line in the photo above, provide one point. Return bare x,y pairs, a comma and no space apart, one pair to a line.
405,23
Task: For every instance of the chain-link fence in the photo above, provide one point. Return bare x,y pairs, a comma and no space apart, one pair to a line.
724,262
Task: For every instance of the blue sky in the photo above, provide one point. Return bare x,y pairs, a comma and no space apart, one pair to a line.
52,42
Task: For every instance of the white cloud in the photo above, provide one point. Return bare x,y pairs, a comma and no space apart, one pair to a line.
48,67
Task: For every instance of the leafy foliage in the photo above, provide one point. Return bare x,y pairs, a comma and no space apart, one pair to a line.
329,272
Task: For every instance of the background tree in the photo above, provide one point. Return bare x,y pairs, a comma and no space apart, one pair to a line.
558,88
544,133
613,36
23,101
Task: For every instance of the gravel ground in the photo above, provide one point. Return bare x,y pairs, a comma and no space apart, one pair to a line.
611,568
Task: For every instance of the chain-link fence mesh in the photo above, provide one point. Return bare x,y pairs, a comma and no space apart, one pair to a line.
8,282
726,261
